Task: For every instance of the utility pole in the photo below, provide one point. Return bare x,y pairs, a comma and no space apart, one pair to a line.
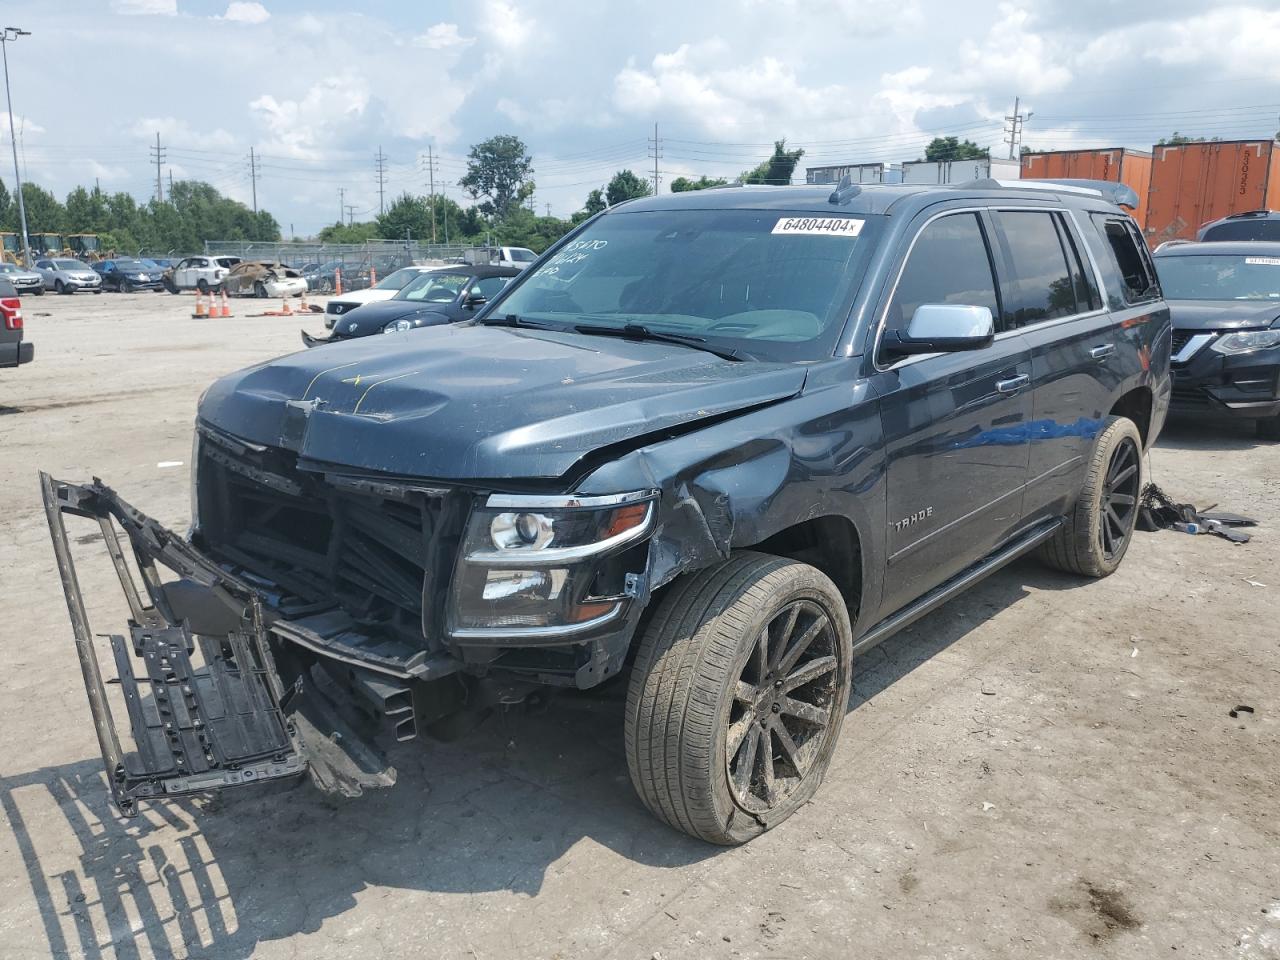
431,186
380,162
158,157
253,179
1014,129
7,35
548,209
655,150
342,205
351,214
171,183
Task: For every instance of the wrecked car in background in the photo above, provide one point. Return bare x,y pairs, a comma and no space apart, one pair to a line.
716,443
261,278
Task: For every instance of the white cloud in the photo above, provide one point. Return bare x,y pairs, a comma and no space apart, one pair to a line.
246,11
173,130
505,25
167,8
1233,39
21,125
442,36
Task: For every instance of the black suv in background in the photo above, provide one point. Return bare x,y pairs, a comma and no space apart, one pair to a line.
14,351
1225,301
718,443
1253,225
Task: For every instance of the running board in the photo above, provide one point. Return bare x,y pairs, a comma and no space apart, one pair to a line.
956,585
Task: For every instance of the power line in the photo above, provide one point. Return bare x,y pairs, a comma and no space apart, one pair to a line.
254,174
655,151
157,155
380,162
1015,129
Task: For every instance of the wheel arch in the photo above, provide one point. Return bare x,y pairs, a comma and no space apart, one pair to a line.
1137,405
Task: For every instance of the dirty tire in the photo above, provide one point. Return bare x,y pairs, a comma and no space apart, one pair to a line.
202,286
1078,546
1268,428
699,651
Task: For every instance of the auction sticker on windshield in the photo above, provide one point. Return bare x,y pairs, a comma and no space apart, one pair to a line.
1268,261
818,226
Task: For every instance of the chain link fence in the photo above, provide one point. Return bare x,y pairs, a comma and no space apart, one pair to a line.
384,255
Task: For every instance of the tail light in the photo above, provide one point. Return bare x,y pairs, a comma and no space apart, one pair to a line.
11,307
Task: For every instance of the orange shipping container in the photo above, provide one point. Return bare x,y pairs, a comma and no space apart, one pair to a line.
1194,183
1117,164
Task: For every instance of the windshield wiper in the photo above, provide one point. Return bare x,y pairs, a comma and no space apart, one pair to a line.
638,331
512,320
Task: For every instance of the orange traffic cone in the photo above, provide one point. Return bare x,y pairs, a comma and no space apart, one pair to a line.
373,275
284,307
337,281
226,306
303,305
201,313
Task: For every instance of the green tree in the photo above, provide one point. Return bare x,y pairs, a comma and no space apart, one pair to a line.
523,228
407,215
950,148
348,233
625,186
595,203
1177,138
776,169
684,184
499,170
86,211
44,213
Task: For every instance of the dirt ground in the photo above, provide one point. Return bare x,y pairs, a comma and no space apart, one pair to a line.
1043,768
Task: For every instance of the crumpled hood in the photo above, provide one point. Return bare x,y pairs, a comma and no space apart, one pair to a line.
476,402
1222,314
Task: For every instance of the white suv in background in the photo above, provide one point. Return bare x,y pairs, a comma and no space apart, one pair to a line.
384,289
198,273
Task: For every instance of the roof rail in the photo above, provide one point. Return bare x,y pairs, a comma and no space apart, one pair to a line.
845,191
1176,241
1247,213
1120,194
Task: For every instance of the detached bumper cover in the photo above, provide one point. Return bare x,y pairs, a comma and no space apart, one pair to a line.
198,672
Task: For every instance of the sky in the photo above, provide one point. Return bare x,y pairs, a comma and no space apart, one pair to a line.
316,89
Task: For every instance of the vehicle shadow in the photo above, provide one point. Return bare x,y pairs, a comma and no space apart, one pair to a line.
1224,433
492,811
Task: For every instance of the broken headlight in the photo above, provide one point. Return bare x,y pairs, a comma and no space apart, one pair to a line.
535,563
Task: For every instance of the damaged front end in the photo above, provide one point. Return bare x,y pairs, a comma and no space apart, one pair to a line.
214,697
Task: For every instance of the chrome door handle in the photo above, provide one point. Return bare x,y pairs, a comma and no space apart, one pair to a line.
1013,384
1103,351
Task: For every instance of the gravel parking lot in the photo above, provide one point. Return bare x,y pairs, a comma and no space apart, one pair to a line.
1043,768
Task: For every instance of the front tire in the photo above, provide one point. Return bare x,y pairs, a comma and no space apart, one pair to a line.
60,287
1100,526
260,290
739,688
126,287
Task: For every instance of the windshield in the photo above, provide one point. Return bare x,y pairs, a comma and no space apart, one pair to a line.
521,255
1219,277
397,280
69,265
131,265
434,287
776,283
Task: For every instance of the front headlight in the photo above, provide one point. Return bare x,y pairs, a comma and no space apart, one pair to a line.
1246,340
544,563
398,326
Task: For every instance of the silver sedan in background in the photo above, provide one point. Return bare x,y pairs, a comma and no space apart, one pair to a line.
68,276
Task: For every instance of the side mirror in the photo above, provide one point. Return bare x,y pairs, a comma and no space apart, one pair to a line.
943,328
475,300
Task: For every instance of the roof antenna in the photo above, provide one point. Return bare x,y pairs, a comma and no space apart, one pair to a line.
845,191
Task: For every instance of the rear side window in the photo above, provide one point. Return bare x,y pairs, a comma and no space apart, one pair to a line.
1127,253
1263,228
1042,285
950,263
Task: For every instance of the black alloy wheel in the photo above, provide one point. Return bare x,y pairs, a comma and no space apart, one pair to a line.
783,706
1120,498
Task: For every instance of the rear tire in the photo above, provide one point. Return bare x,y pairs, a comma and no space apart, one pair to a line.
1100,526
203,287
1268,428
725,736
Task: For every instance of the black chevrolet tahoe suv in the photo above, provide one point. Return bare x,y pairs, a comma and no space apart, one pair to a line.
714,444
